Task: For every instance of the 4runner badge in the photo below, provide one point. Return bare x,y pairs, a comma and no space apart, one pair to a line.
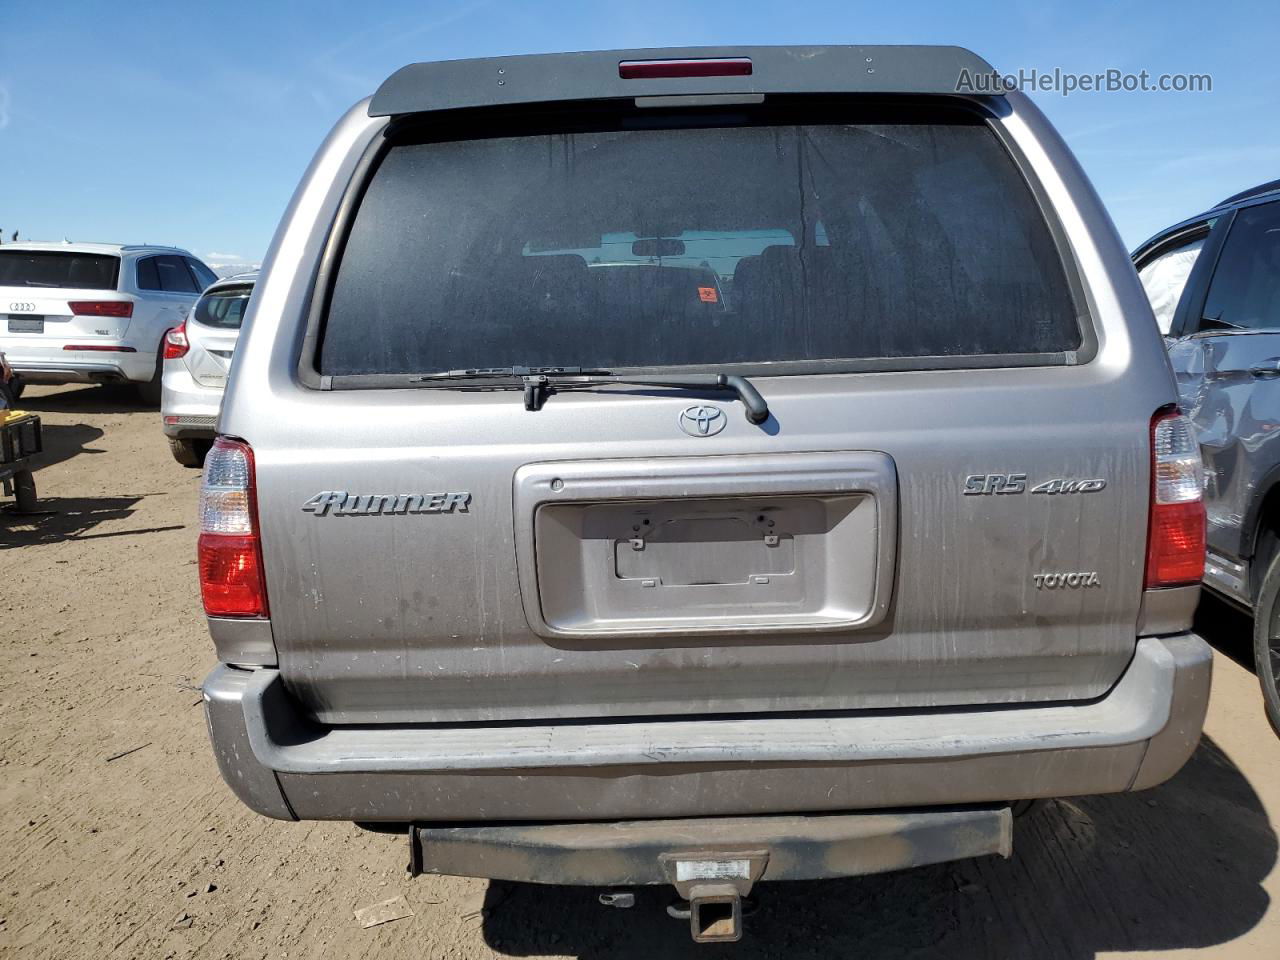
343,504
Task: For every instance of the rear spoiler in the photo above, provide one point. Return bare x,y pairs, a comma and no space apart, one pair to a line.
501,81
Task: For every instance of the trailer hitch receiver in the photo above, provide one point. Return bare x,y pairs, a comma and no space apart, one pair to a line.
715,913
714,882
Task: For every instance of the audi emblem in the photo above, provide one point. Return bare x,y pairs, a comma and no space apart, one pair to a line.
22,307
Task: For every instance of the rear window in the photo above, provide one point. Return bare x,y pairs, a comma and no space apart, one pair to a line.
728,245
223,308
57,268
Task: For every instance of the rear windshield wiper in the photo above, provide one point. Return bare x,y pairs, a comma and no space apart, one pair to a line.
483,373
540,382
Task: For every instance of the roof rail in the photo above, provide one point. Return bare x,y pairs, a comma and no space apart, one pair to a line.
498,81
1271,186
150,246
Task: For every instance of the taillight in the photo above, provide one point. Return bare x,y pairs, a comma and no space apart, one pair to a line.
229,552
175,342
101,308
1175,537
717,67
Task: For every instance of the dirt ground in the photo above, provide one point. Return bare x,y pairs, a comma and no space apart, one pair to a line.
103,648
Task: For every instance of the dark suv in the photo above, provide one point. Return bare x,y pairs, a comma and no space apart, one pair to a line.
1214,283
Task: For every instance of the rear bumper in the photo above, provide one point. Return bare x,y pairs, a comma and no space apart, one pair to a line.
50,363
194,406
283,765
784,847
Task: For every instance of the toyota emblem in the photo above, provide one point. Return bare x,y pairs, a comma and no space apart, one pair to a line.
702,420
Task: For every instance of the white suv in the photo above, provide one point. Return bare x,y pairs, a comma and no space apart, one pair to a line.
94,312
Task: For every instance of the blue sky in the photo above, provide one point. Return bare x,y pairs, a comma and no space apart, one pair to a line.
191,123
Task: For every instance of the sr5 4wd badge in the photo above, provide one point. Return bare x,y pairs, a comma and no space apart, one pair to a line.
984,484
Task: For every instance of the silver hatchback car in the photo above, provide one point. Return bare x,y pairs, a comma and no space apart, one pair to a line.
698,467
197,357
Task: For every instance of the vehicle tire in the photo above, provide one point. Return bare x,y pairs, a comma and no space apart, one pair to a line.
1022,808
189,453
1266,640
149,392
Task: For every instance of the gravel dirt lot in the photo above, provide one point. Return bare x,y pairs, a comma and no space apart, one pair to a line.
102,651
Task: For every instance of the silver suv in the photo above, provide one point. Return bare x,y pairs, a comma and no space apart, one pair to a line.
197,357
653,466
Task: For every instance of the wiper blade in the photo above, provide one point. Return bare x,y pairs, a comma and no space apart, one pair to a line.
537,388
488,373
540,382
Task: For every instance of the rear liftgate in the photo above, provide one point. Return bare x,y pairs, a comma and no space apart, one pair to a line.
712,863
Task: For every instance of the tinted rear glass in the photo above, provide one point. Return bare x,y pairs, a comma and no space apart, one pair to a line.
56,268
203,274
711,246
1245,290
174,275
223,308
148,278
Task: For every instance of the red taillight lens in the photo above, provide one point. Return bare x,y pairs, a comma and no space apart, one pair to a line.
175,342
1175,547
1176,533
231,576
101,308
648,69
229,552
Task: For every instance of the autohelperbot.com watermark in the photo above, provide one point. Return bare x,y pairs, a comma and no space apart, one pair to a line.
1065,82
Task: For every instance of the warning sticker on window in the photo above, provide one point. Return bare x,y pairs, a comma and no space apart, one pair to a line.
708,295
